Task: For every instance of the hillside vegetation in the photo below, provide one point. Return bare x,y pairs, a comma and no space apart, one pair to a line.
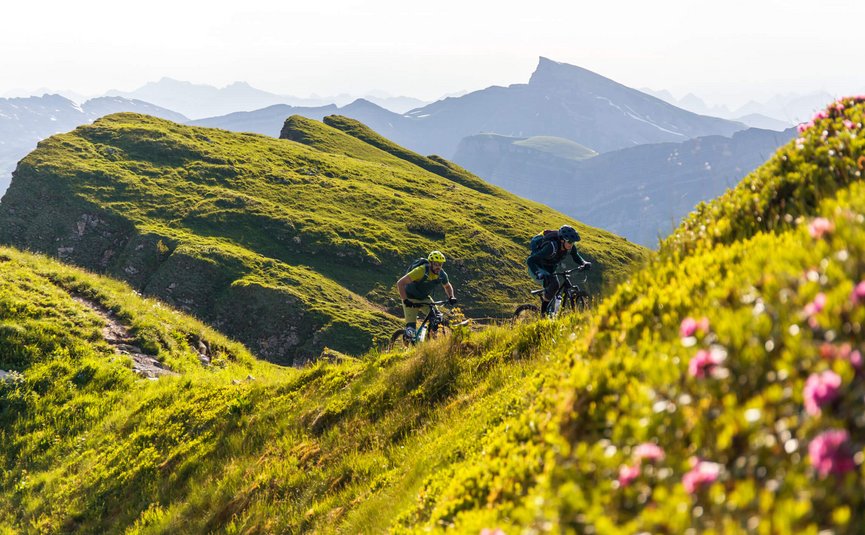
288,247
232,444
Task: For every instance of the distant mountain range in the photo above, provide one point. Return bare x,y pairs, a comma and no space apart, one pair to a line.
200,101
26,121
560,100
640,193
777,113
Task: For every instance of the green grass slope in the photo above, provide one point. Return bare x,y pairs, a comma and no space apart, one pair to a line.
287,247
558,147
64,387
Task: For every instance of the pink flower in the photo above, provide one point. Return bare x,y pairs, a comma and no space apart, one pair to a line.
488,531
703,473
830,453
803,127
849,125
820,389
706,362
858,295
821,115
649,451
856,359
688,327
820,226
816,306
627,474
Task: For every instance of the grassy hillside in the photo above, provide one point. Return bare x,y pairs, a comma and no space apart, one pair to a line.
720,389
234,445
286,246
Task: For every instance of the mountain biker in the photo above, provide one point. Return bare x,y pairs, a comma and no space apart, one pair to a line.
415,287
548,250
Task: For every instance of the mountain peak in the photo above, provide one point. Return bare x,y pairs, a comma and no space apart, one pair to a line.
555,72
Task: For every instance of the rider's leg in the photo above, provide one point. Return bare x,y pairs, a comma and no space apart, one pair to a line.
551,286
411,314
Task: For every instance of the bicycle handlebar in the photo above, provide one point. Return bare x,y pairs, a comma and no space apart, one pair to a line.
569,271
427,303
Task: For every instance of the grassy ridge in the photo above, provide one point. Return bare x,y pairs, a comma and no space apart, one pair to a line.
287,247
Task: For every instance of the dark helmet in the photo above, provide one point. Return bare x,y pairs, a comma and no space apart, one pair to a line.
567,233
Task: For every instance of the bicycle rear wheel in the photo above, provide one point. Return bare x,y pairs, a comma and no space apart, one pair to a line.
526,312
398,340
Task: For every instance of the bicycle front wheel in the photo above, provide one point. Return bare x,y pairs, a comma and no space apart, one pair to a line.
440,332
582,303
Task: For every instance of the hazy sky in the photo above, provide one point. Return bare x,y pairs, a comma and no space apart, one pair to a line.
725,51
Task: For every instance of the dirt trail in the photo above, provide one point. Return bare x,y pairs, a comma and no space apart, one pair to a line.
117,335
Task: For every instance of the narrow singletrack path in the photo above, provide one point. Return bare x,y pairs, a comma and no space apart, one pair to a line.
117,335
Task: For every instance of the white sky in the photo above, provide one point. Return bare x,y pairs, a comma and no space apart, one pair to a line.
724,51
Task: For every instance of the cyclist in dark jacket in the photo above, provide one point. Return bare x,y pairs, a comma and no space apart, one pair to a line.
546,258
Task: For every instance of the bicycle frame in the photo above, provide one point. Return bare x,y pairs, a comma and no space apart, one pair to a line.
431,321
569,294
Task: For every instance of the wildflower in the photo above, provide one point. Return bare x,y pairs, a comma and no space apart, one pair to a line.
820,226
861,162
706,362
688,327
856,359
627,474
858,295
830,453
821,115
702,473
849,125
648,451
816,306
820,389
496,531
803,127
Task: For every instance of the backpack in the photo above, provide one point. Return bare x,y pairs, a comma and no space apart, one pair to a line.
419,262
538,242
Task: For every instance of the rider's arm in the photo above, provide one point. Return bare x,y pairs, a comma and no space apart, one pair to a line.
401,284
576,256
532,261
449,290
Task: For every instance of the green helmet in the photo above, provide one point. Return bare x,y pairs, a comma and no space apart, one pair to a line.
436,256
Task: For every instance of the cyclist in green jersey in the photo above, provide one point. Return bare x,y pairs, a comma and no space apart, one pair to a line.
416,286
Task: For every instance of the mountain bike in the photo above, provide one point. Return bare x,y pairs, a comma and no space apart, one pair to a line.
570,297
434,325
